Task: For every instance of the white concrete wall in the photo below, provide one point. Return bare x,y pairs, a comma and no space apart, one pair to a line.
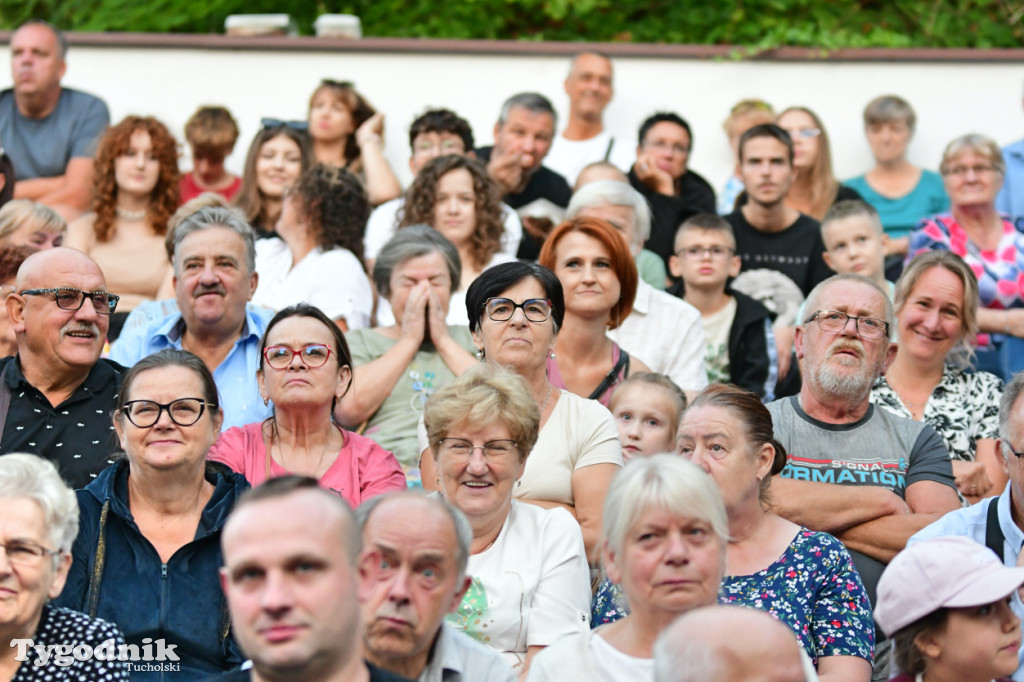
950,99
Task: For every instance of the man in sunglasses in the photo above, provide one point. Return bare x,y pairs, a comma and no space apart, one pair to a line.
56,394
855,470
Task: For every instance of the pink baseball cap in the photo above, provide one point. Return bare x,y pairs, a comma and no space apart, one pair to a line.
952,572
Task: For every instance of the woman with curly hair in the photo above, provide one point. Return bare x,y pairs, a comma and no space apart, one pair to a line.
347,132
319,258
135,191
278,155
456,196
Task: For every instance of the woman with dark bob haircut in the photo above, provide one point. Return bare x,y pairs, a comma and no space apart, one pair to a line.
318,259
278,155
515,312
135,192
150,523
306,369
598,274
456,196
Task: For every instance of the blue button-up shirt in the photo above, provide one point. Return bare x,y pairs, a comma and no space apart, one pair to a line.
236,374
970,522
1010,199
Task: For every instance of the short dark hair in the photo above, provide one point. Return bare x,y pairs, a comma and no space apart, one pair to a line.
909,658
664,117
707,222
335,205
495,281
441,121
766,130
169,358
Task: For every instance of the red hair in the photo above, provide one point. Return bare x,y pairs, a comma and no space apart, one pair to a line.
622,261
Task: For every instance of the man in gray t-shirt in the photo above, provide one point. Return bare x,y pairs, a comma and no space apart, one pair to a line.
49,132
870,478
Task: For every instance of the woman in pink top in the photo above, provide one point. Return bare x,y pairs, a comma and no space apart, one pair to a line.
305,368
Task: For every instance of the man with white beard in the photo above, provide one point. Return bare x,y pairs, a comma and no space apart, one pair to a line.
856,471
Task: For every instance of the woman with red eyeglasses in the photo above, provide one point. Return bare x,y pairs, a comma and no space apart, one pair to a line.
305,369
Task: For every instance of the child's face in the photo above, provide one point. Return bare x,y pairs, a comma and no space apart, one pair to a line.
647,418
978,642
704,259
853,245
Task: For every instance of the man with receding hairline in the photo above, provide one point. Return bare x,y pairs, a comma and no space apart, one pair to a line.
56,394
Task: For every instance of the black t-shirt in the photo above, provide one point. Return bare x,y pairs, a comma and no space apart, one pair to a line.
669,211
544,184
77,435
376,675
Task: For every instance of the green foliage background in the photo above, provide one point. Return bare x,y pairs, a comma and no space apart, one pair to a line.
827,24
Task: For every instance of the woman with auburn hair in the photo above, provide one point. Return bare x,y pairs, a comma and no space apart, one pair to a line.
347,132
278,155
456,196
135,192
815,188
599,278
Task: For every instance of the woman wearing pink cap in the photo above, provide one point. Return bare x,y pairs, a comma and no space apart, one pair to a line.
945,603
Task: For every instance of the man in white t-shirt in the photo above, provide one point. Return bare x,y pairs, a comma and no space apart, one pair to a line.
585,140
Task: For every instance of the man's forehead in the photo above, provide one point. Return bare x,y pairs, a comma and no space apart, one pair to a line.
279,526
211,239
388,526
853,298
36,35
63,268
592,63
523,116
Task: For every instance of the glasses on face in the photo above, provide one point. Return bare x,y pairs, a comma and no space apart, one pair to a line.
301,126
502,309
697,252
68,298
834,322
183,411
962,171
314,355
443,148
24,553
804,133
460,448
661,145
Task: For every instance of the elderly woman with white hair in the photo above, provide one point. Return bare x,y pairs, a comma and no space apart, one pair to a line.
662,331
38,524
665,538
973,170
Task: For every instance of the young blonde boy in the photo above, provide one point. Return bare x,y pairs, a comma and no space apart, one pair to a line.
855,242
737,328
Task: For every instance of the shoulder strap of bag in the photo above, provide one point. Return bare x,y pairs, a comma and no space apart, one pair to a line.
994,538
612,377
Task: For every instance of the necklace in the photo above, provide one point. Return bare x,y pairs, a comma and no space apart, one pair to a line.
547,397
131,215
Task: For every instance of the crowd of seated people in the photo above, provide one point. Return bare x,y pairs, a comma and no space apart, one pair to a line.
574,405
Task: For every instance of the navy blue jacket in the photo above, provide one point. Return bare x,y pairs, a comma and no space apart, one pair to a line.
181,601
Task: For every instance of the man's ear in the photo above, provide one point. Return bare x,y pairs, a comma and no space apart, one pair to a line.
254,281
16,312
460,593
798,342
890,356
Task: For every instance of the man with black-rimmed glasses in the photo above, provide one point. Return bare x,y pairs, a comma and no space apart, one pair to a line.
855,470
56,394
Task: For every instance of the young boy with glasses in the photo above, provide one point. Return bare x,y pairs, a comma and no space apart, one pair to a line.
738,329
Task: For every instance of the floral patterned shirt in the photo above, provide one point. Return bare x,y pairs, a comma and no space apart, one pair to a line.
963,408
815,590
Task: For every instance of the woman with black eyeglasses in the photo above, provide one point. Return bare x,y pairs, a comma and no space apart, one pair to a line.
148,547
305,369
515,311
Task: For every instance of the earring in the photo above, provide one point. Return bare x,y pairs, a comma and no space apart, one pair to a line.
266,401
480,355
519,483
551,355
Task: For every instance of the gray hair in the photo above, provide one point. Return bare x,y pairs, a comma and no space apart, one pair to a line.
533,102
666,482
811,304
1007,431
31,477
215,216
463,531
979,144
412,242
615,193
62,40
889,108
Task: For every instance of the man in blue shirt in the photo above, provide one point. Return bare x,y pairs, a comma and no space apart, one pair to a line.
997,522
214,278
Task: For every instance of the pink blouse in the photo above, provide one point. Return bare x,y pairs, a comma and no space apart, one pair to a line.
362,470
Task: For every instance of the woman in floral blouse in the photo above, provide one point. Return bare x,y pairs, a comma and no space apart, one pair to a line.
937,320
804,578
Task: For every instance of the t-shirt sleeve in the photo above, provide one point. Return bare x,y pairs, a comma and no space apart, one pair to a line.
561,603
929,236
230,450
599,437
986,389
688,369
380,471
89,124
342,288
843,624
929,460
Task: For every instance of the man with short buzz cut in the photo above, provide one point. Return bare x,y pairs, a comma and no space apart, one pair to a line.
855,470
50,132
57,394
585,140
412,576
998,522
214,279
290,550
522,138
434,133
